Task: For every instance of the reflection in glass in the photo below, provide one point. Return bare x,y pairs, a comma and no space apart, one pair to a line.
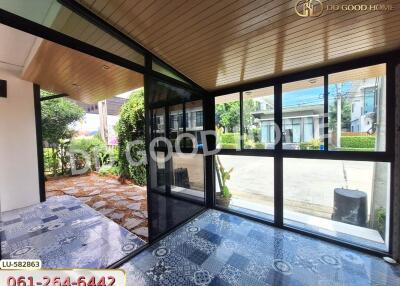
348,200
258,118
194,122
357,107
158,172
303,114
165,71
188,175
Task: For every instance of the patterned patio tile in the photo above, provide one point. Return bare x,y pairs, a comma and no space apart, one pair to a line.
64,233
195,254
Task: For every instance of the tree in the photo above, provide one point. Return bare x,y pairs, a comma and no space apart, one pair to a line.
131,127
227,115
346,113
57,116
249,106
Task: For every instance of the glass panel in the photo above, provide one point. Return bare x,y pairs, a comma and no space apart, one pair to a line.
53,15
247,184
227,120
194,122
302,114
348,200
188,175
358,98
165,71
258,118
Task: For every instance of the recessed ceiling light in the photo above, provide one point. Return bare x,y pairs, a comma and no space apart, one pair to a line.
76,85
313,80
105,67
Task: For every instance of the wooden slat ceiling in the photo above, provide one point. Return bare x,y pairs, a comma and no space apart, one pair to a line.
85,78
227,42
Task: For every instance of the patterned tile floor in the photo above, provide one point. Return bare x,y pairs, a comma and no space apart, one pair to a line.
126,204
222,249
64,233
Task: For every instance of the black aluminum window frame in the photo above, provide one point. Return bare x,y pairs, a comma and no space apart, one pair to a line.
279,153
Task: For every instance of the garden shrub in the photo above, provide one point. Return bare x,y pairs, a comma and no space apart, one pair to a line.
311,145
94,147
131,127
259,145
109,170
357,142
57,117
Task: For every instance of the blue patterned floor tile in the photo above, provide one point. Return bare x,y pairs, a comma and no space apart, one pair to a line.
212,250
64,233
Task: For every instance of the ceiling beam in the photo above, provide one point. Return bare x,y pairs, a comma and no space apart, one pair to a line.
53,96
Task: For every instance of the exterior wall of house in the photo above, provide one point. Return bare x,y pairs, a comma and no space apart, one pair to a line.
19,182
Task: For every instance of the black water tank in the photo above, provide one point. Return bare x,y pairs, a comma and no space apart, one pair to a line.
350,206
160,177
182,178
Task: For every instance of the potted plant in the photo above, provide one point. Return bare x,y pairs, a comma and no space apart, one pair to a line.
224,197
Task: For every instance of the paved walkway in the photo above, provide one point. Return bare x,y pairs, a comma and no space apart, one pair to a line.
123,203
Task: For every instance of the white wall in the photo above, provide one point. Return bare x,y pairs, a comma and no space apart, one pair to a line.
19,182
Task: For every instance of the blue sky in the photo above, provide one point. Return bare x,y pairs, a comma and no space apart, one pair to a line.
310,96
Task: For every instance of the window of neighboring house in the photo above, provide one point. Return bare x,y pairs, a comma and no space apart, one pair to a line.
188,125
292,130
199,118
308,129
180,120
267,132
369,99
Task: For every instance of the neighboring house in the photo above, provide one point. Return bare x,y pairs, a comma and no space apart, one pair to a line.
303,112
364,104
302,116
194,122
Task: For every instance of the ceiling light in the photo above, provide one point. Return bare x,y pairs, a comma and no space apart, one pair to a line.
313,80
76,85
105,67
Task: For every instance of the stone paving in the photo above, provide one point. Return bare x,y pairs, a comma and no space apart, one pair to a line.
126,204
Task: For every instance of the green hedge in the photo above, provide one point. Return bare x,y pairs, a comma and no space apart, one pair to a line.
229,146
357,142
229,138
